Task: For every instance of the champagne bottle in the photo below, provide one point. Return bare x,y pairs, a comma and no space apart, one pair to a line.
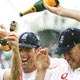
13,25
4,43
39,6
54,3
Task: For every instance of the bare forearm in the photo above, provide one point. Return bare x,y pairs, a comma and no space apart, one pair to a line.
40,75
74,14
69,13
16,64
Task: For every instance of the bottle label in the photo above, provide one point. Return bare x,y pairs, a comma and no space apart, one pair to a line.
54,3
6,47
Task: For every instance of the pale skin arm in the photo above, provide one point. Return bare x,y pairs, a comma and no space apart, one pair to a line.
69,13
15,72
16,60
42,63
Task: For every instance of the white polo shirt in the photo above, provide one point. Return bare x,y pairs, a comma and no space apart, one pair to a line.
54,62
64,72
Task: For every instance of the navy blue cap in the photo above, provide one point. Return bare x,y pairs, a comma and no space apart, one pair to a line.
29,40
67,40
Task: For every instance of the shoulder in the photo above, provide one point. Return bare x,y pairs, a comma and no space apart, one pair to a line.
7,74
60,60
55,62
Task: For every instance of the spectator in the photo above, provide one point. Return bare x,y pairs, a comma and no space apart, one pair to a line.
1,64
6,58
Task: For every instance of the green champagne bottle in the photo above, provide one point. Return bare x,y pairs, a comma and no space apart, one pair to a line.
13,26
38,6
5,45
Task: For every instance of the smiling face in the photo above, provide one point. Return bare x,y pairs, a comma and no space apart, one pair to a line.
28,59
73,57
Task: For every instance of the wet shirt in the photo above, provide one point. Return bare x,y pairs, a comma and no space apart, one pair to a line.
54,62
29,76
64,72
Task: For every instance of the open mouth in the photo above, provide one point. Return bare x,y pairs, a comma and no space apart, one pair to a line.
24,60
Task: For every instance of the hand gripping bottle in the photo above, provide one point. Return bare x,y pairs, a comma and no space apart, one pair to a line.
4,43
39,6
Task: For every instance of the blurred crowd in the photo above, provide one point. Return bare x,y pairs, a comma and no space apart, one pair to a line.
5,59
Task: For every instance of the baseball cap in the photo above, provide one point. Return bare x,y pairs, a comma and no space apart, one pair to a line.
67,40
29,39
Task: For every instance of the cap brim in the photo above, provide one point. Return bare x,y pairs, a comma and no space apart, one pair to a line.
60,50
26,45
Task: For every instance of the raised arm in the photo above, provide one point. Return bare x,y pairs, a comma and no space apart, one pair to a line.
42,63
16,61
69,13
15,72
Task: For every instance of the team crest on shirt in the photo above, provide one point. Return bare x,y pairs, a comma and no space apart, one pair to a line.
64,76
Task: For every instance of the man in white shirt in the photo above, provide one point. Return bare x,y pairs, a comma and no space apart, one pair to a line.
25,54
69,46
29,45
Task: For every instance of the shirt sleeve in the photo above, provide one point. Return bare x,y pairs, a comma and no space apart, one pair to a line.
1,73
55,62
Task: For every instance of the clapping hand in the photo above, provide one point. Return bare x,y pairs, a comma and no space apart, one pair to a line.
42,59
